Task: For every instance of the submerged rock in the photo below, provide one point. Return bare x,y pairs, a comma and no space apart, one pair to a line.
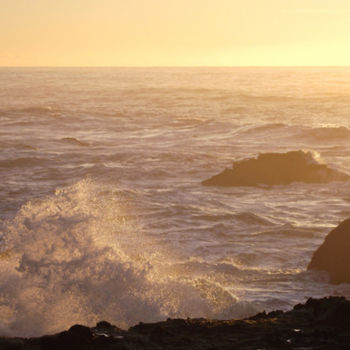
277,169
333,255
317,324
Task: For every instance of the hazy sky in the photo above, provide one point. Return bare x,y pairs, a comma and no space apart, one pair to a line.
174,32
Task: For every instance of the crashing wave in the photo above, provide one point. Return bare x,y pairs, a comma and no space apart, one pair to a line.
77,257
277,169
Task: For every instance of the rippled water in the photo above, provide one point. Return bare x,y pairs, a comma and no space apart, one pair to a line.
103,215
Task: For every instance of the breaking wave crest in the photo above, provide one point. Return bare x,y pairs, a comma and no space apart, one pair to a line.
313,134
264,128
328,133
77,257
29,110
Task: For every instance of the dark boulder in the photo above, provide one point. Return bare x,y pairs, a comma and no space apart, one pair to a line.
78,337
333,256
277,169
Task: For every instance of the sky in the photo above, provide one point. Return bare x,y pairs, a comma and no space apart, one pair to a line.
174,32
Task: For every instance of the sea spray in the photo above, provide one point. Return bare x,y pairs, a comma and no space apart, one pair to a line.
76,257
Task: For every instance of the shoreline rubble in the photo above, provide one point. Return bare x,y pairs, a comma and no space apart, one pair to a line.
317,324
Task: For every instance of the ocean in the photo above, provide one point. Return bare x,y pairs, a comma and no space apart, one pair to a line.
102,212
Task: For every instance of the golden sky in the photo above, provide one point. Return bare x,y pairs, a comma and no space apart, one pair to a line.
174,32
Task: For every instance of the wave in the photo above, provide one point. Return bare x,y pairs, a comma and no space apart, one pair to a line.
327,133
17,145
248,218
77,256
290,231
74,141
173,92
324,133
269,98
252,219
232,270
34,110
277,169
187,122
22,162
264,128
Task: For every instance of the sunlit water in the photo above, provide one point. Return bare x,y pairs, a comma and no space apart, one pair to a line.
103,215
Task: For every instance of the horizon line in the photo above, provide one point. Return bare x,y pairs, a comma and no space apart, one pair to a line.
204,66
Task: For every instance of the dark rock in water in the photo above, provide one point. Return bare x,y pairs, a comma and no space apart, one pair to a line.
317,324
333,255
277,169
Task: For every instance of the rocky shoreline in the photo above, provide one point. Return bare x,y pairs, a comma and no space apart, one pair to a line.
317,324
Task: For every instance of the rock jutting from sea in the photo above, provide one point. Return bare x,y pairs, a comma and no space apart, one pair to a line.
277,169
333,256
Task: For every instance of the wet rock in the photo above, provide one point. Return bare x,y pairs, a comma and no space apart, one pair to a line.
11,343
81,332
76,338
333,311
317,324
333,256
277,169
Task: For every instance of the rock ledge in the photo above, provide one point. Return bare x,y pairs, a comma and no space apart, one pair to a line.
317,324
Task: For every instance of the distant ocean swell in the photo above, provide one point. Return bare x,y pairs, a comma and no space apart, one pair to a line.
102,211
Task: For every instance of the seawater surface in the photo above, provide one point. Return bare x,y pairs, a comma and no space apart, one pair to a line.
102,211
